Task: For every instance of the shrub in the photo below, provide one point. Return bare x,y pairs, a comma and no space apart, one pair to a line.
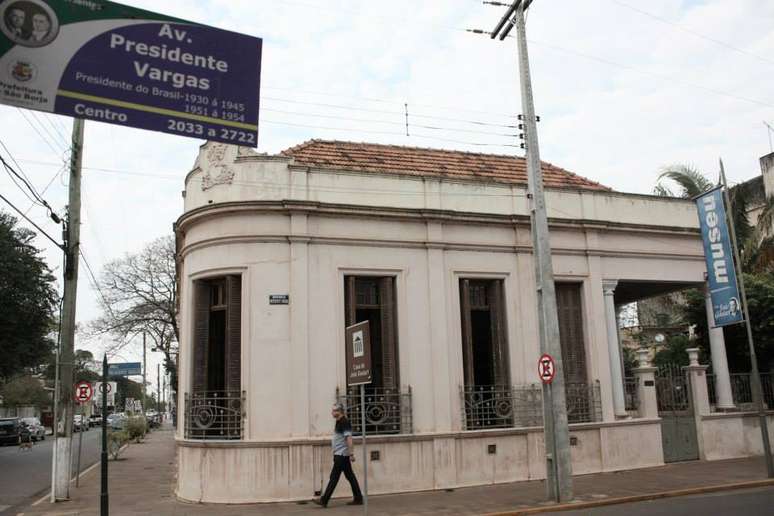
136,427
116,440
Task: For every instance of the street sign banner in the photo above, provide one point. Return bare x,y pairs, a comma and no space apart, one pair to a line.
125,369
721,273
546,368
113,63
358,349
83,392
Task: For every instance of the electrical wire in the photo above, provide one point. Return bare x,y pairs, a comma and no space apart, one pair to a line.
28,188
676,25
95,284
45,140
58,244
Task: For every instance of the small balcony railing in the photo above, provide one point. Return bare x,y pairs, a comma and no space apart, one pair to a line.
387,411
214,415
521,406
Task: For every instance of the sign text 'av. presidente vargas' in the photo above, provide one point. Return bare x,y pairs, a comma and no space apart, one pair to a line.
113,63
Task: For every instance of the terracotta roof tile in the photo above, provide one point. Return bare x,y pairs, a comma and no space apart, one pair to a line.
378,158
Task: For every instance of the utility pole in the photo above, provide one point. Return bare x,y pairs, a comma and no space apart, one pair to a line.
755,377
144,367
158,389
556,430
63,443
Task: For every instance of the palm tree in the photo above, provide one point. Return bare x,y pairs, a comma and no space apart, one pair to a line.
756,242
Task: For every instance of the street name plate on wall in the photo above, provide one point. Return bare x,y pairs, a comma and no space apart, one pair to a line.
113,63
279,299
358,349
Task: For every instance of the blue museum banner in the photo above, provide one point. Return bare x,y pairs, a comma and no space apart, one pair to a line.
104,61
721,274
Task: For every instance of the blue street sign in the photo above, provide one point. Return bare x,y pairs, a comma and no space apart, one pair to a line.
721,273
125,369
113,63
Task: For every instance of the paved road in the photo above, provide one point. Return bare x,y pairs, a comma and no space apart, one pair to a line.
26,475
750,502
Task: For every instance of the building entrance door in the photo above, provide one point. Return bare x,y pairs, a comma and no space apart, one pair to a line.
675,408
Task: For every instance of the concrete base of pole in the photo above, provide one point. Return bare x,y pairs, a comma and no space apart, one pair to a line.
62,481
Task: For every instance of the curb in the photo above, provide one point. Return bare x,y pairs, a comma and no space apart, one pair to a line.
571,506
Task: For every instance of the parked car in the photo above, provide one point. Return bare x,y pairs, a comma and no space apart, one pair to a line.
95,420
117,421
13,431
37,431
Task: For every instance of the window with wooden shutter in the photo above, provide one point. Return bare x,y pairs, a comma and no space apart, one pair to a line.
201,335
369,298
484,333
234,334
570,313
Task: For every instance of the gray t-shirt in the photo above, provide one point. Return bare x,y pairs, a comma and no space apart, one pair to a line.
339,440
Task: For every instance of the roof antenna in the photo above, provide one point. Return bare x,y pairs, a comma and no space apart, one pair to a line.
771,130
405,106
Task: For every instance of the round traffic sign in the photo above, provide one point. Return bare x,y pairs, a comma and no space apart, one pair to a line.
546,368
83,391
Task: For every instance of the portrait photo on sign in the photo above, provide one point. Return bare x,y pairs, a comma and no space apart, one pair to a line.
29,23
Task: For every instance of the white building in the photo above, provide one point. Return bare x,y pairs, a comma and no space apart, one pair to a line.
278,254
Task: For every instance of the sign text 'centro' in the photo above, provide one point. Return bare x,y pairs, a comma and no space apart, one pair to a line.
127,66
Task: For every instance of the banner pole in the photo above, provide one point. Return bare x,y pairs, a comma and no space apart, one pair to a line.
365,458
757,390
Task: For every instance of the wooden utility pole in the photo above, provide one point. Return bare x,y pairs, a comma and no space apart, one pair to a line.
63,443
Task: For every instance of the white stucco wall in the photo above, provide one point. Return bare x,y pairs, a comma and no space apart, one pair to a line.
295,231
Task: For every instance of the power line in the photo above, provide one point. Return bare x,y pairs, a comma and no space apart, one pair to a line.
389,122
413,135
95,284
45,140
36,198
57,141
59,245
692,32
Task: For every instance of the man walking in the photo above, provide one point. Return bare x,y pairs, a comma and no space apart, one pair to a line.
343,456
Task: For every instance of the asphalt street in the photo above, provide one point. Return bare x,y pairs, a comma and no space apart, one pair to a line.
26,474
750,502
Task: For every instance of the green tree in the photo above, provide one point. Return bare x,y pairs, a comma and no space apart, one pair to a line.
25,390
28,301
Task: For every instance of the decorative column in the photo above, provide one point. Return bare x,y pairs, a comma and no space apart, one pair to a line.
725,400
698,379
645,374
614,349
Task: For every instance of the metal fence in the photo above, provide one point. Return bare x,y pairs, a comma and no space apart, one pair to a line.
631,394
214,415
741,389
493,406
387,411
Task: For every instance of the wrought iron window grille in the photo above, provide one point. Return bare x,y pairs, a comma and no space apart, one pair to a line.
387,411
215,415
493,406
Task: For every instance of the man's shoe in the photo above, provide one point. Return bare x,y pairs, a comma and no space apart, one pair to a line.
355,502
319,502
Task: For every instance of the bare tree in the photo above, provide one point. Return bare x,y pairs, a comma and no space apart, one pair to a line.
140,296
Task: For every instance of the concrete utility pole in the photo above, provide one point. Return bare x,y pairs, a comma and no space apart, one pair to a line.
158,389
63,443
556,430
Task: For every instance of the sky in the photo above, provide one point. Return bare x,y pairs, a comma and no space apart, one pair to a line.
623,88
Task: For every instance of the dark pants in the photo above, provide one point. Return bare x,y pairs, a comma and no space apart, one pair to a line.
341,464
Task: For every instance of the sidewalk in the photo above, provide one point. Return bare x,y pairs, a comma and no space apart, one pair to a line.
143,484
